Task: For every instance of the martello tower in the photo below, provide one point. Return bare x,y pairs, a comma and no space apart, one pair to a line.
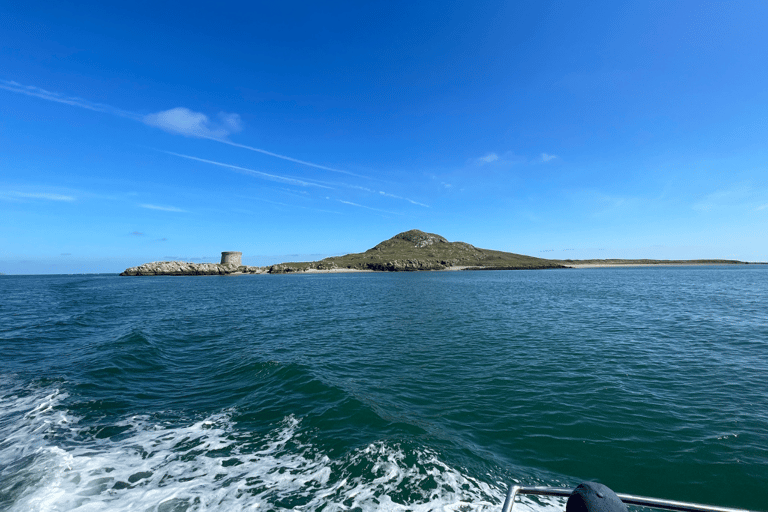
231,258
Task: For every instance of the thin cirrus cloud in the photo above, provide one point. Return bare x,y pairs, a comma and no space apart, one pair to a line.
380,192
162,208
37,92
186,122
38,195
290,206
367,207
387,194
288,158
291,180
179,120
252,172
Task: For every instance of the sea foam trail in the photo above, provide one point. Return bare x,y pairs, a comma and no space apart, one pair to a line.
50,462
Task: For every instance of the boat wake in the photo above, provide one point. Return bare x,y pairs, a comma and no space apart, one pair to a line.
53,461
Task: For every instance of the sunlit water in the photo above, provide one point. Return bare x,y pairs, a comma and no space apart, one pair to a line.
417,391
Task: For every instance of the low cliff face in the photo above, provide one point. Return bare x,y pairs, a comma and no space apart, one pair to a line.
181,268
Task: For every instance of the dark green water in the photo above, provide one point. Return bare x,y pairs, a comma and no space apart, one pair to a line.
418,391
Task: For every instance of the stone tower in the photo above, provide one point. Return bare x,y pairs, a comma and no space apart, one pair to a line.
231,258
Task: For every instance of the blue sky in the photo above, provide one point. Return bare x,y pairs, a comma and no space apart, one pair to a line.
153,131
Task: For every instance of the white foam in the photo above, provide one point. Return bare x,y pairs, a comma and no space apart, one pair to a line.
211,465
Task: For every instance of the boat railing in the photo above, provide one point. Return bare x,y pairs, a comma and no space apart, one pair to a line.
629,499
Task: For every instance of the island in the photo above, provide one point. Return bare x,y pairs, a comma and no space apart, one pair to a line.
412,250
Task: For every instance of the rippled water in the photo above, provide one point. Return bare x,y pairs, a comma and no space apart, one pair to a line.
418,391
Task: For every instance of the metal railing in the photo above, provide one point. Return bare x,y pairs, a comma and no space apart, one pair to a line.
629,499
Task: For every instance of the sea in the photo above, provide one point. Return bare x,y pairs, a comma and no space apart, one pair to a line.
424,391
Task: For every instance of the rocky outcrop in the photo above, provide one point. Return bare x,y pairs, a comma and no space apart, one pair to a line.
406,265
420,239
289,268
285,268
181,268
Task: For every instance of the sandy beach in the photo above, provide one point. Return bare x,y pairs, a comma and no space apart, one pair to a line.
332,271
606,265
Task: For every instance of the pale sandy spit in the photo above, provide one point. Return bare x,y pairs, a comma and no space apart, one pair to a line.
607,265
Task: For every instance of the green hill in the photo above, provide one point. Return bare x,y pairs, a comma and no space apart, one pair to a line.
417,250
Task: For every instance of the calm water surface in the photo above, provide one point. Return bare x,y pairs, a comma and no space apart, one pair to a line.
417,391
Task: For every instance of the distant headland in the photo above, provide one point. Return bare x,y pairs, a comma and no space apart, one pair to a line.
412,250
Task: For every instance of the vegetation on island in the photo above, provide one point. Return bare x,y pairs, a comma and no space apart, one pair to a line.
417,250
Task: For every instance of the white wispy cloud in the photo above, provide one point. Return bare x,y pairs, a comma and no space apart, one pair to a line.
37,92
163,208
252,172
184,121
761,207
387,194
195,124
487,159
278,203
367,207
545,157
497,160
287,158
296,181
36,195
180,120
371,191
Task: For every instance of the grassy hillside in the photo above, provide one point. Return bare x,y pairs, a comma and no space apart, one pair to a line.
417,250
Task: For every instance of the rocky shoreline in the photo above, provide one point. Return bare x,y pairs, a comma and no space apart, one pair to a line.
182,268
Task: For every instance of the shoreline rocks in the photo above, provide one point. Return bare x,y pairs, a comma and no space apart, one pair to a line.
182,268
